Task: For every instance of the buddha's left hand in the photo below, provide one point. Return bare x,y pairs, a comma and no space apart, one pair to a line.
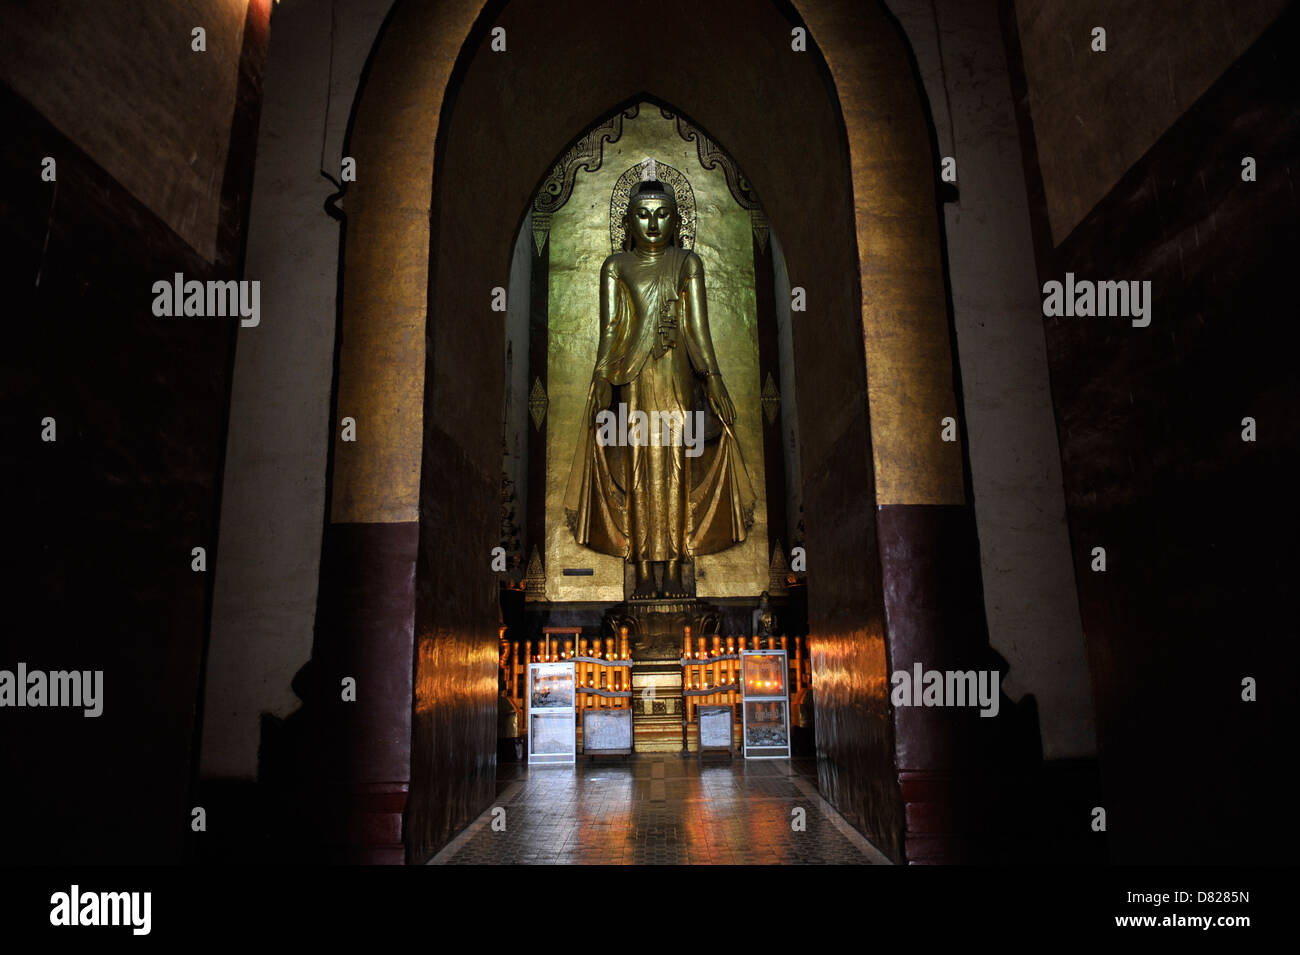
720,401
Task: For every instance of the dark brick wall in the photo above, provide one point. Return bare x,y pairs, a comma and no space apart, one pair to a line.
102,522
1198,525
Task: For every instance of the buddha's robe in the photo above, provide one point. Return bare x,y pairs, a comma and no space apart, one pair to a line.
651,502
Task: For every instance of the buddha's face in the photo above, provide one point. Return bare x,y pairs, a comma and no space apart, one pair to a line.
651,223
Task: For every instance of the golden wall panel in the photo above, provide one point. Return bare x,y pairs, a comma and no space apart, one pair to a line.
904,307
579,244
386,264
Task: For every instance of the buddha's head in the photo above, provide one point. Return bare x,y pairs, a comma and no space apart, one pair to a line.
651,220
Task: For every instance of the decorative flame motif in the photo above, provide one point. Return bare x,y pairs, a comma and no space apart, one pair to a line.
538,403
771,399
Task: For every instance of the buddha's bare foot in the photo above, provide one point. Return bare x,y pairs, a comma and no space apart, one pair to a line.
673,586
645,581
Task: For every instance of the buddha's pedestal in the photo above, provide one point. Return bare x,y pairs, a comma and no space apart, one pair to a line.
655,630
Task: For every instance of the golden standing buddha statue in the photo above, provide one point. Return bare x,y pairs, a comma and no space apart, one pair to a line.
658,497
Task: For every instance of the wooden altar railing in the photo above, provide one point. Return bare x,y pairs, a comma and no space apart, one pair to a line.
711,667
711,673
603,666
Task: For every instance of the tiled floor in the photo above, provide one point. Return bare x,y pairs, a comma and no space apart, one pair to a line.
660,810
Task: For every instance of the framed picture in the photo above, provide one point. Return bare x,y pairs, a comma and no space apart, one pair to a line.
765,712
715,728
552,728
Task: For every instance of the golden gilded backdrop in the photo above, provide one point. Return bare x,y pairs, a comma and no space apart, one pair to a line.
905,326
386,265
579,242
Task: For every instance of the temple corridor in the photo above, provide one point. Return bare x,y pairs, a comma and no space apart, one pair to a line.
660,810
471,432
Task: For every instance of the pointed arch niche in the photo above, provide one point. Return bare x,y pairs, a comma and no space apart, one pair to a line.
570,233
